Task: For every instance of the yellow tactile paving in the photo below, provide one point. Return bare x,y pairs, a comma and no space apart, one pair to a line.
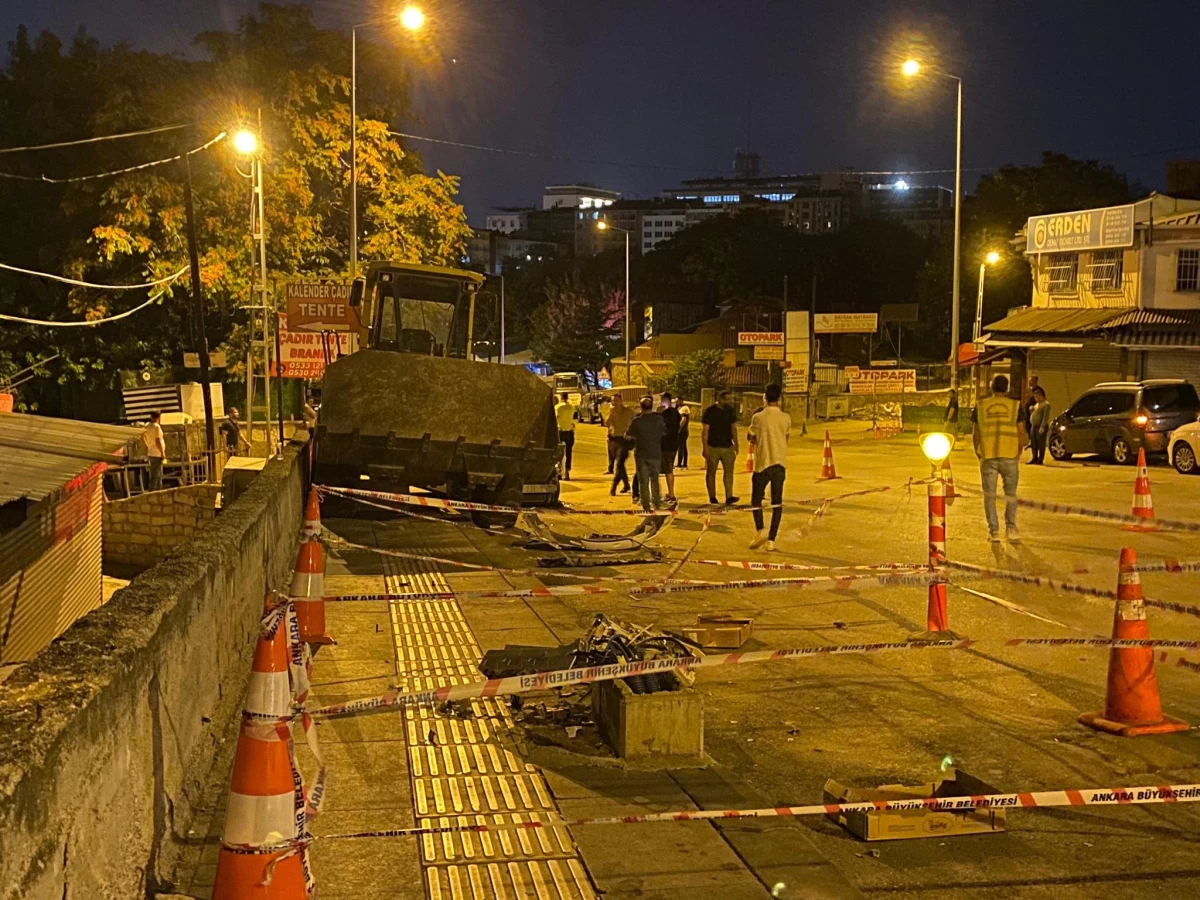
465,771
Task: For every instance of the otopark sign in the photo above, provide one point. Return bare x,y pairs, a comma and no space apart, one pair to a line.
1088,229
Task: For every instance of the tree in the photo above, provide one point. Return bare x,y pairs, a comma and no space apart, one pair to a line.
692,372
574,329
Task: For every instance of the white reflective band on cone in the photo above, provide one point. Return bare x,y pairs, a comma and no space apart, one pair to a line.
307,586
269,694
255,820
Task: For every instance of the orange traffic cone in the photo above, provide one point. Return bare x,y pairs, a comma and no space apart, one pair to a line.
307,592
266,800
1143,503
828,472
948,479
312,517
1132,705
750,456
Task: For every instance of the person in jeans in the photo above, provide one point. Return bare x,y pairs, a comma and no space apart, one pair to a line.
718,438
156,449
670,442
647,430
999,435
770,429
1039,427
564,413
619,419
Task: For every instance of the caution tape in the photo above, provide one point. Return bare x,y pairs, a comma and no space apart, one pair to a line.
1063,510
553,591
900,578
1106,796
1170,566
690,550
539,681
755,566
431,502
1116,643
1065,586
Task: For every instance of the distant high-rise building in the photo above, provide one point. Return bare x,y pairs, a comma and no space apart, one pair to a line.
746,164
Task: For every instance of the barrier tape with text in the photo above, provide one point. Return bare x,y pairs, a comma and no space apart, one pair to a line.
1063,510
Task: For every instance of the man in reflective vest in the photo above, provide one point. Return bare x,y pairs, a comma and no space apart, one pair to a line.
999,435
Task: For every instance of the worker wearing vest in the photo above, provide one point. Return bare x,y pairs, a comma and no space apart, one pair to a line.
999,438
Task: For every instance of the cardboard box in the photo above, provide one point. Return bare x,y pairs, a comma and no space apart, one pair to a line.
898,824
720,632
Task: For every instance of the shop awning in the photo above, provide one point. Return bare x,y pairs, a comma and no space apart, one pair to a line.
1039,320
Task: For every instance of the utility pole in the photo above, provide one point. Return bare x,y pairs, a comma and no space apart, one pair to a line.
502,348
198,312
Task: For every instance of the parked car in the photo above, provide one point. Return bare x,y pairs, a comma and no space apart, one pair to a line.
1116,419
1184,449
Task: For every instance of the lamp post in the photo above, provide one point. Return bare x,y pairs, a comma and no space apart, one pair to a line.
247,144
936,446
604,226
910,69
412,19
990,260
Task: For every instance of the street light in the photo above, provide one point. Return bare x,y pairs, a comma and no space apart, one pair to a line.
604,226
990,260
910,69
412,19
936,445
245,142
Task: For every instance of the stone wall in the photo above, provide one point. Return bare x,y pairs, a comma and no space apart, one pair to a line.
98,731
142,530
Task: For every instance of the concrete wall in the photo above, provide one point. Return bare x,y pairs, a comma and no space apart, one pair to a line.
141,530
98,731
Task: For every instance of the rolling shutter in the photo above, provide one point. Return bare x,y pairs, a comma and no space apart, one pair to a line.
1065,374
1174,364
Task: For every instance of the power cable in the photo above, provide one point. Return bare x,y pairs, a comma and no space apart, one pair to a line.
88,284
93,140
84,323
157,162
7,381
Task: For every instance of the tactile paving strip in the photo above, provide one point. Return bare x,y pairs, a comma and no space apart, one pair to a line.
464,770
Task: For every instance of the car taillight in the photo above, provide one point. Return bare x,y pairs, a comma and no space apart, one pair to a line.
1142,419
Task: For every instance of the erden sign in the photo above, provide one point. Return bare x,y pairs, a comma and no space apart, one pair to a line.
756,338
319,306
1088,229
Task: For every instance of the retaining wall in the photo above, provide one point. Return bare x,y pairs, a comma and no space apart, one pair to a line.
142,530
98,731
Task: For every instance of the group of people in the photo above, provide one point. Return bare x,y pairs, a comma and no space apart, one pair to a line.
657,435
156,446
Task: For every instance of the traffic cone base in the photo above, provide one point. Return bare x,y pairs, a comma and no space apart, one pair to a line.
243,875
1168,725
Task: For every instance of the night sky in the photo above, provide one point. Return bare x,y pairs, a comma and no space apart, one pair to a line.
675,85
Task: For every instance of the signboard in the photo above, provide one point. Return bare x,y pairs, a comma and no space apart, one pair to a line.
845,323
319,306
768,351
302,354
216,359
881,381
795,381
1088,229
879,363
755,338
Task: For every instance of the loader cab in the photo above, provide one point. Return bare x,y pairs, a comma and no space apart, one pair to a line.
411,308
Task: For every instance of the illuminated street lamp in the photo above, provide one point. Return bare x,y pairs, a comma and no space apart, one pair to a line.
412,19
911,68
604,226
936,445
990,260
245,142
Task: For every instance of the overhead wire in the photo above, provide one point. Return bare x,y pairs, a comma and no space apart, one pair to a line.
45,179
85,323
89,284
93,140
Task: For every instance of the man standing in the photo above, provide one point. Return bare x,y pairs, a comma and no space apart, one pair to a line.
647,433
719,443
231,430
999,435
670,443
156,449
769,432
619,419
1039,427
685,419
564,412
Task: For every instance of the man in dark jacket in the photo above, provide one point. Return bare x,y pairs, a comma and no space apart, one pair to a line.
646,431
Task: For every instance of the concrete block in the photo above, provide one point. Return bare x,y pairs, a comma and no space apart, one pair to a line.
141,538
665,723
158,521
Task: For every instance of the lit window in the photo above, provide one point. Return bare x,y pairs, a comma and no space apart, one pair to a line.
1187,270
1106,269
1062,272
585,202
712,198
731,198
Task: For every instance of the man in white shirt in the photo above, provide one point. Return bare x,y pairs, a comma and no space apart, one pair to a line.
156,449
770,429
564,413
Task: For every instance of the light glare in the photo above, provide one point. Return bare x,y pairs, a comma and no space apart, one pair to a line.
936,445
412,18
245,142
993,258
910,68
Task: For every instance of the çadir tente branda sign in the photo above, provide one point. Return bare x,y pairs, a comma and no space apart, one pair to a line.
1087,229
